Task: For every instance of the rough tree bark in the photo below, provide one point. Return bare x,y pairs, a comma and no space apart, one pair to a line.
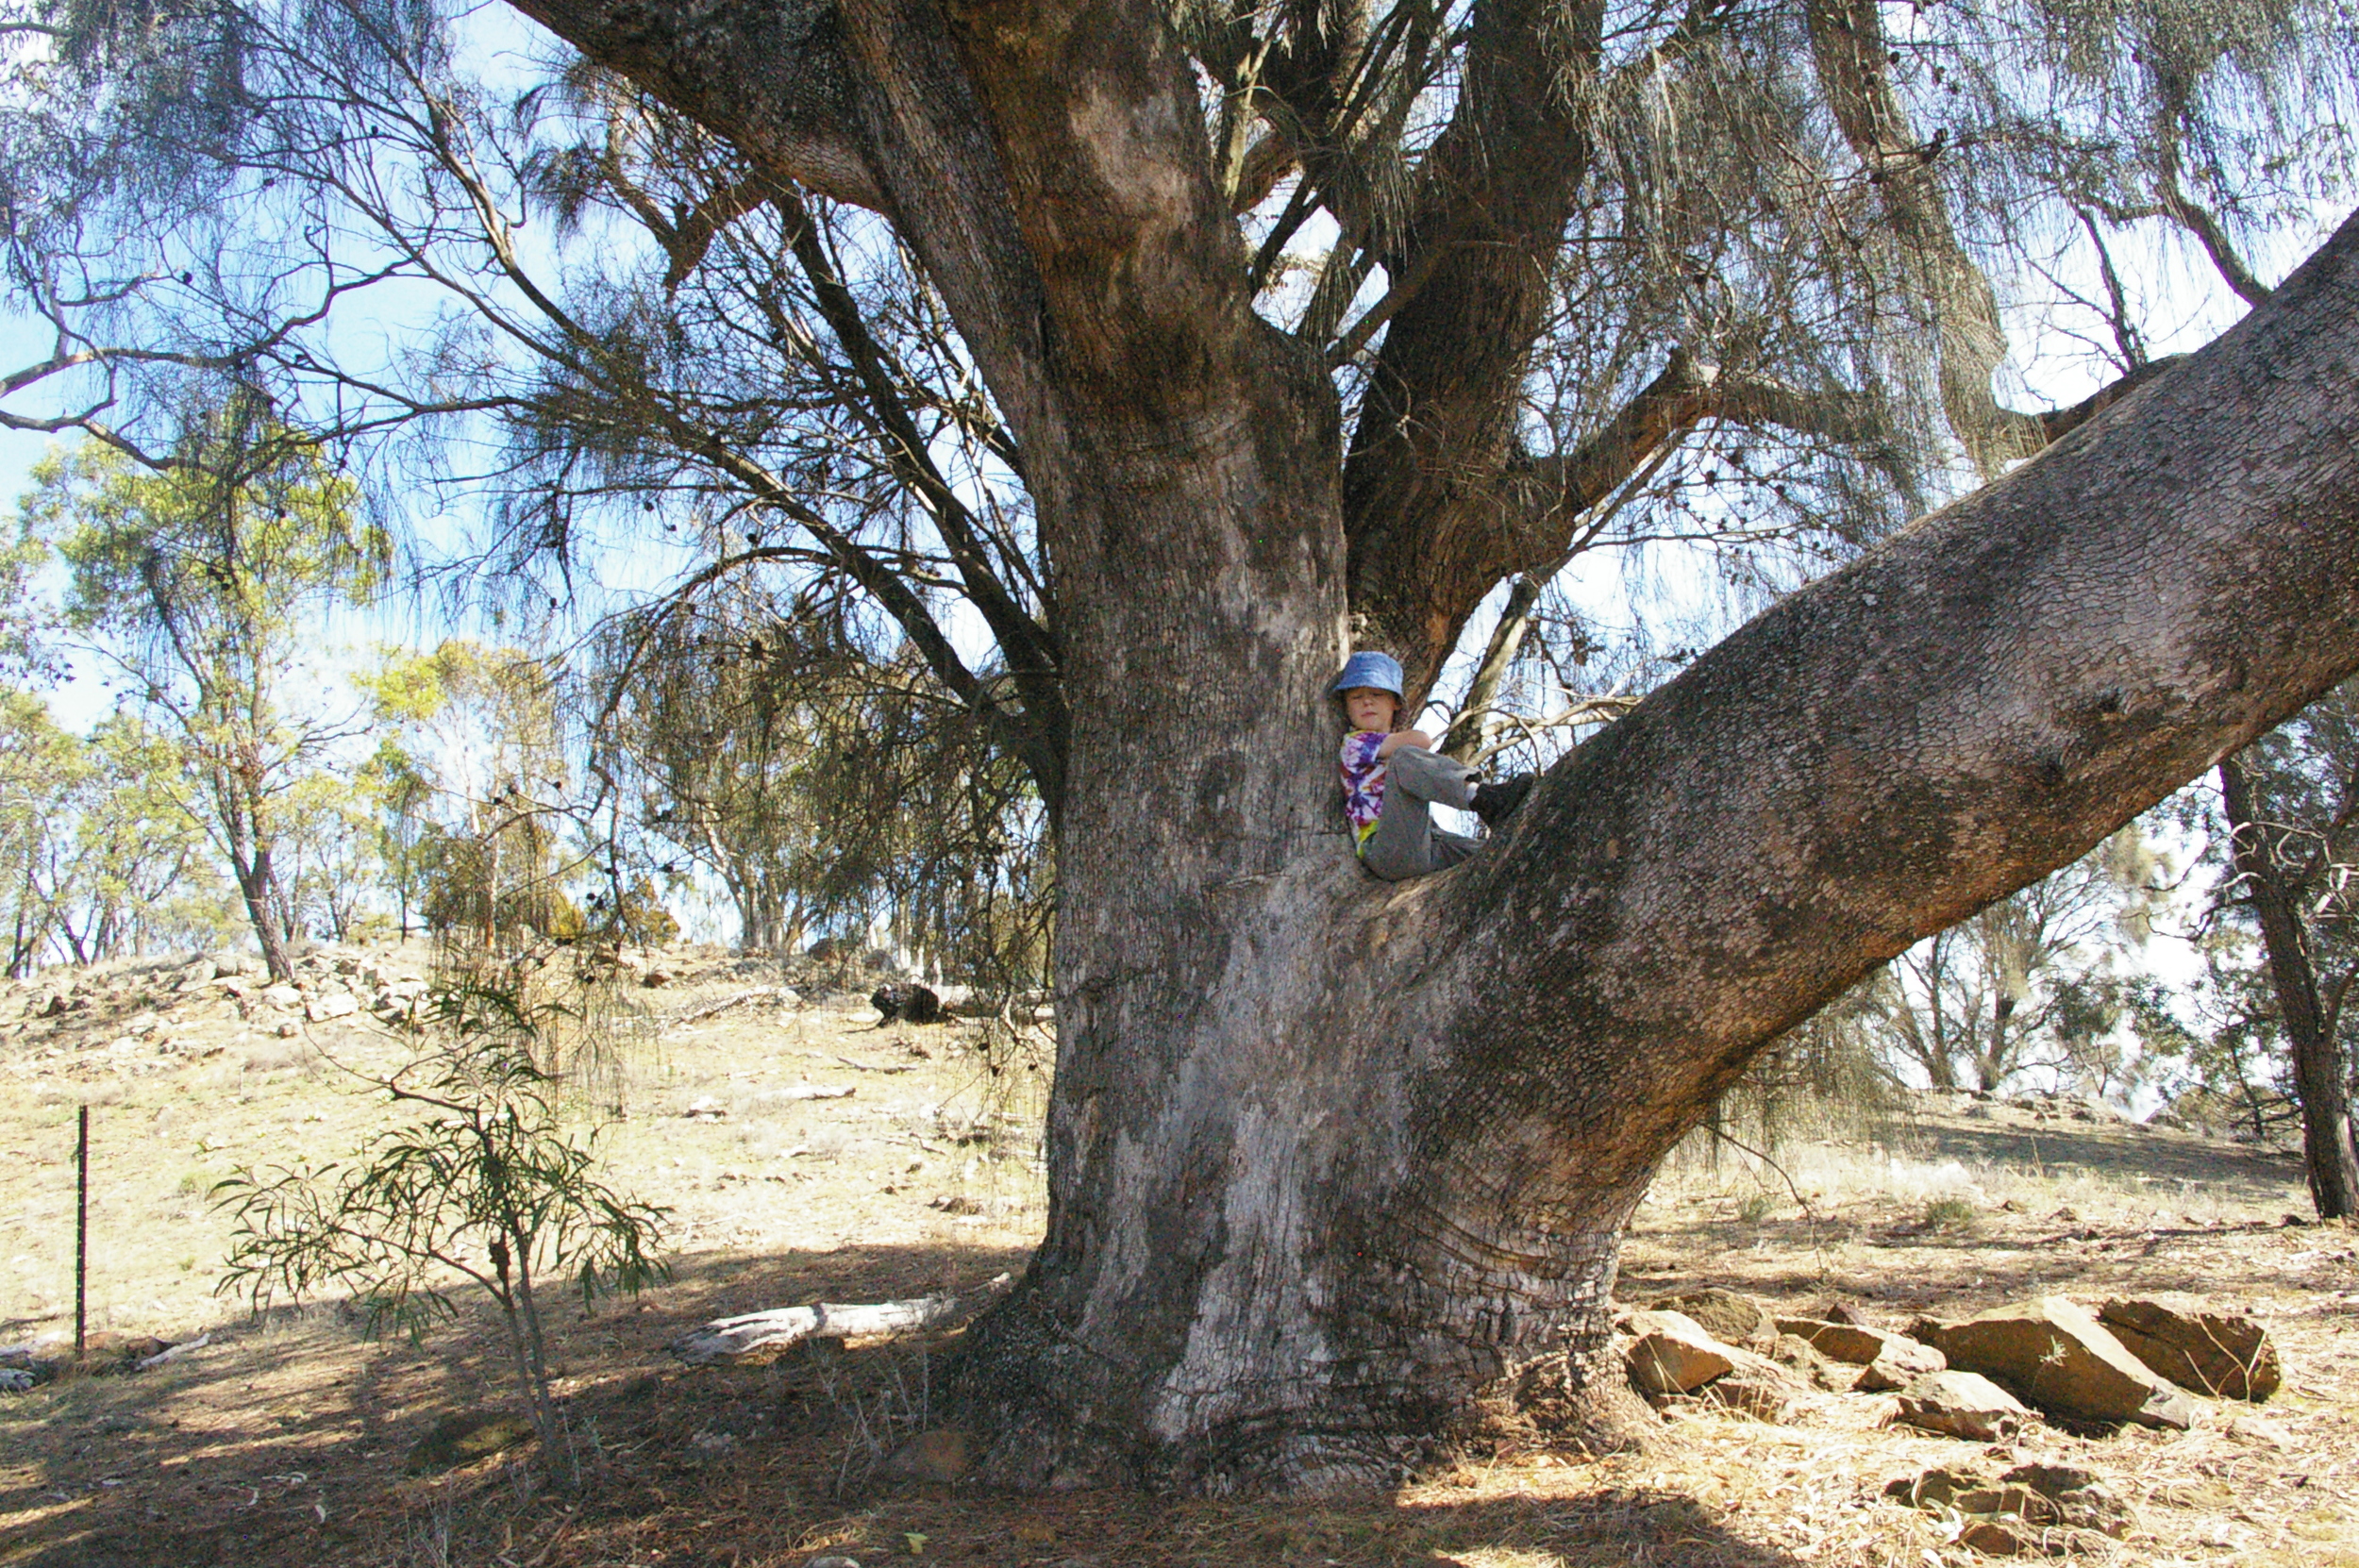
2326,1152
1332,1162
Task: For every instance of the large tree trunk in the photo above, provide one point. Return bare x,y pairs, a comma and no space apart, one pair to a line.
2326,1152
1332,1163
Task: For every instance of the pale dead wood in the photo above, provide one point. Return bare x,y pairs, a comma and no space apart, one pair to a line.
757,994
781,1328
815,1092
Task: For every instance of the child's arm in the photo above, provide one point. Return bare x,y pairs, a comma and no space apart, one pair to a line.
1405,738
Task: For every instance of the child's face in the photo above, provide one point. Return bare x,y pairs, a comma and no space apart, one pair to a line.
1369,709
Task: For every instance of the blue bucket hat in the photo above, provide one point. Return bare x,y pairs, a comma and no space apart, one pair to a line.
1380,671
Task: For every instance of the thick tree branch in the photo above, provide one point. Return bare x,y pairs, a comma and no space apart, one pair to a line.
1538,498
1975,702
771,77
1494,194
2197,221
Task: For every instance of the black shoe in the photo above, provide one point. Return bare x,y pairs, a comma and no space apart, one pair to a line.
1495,803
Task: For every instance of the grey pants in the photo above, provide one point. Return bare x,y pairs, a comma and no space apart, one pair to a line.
1406,844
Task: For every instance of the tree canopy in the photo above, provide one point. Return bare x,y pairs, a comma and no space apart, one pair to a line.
1755,276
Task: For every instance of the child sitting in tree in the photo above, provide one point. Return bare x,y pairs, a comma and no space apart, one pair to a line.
1391,780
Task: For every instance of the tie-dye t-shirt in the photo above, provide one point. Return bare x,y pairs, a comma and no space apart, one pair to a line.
1363,784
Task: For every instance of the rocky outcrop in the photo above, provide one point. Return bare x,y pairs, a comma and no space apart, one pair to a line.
2049,1510
1727,1316
1961,1405
1886,1360
2053,1354
1670,1353
2194,1345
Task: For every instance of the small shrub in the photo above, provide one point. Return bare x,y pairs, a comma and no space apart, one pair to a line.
1753,1208
488,1186
1952,1213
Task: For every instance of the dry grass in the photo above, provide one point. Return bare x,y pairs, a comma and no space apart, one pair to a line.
284,1442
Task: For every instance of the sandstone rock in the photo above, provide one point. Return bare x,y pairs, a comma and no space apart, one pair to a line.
1961,1405
334,1005
2183,1338
282,996
1804,1358
1759,1391
1996,1538
1842,1341
2048,1509
1902,1362
2054,1355
2080,1498
1937,1487
1726,1316
1886,1361
1670,1353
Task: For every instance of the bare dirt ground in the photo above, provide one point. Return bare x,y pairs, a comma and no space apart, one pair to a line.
288,1440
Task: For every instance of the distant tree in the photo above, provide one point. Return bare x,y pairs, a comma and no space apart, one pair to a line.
202,585
2028,984
29,621
329,864
42,770
146,867
2227,1067
817,769
99,856
403,795
476,764
2288,871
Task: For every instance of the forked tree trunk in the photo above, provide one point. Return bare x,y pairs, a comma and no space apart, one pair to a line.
1332,1162
250,863
2328,1157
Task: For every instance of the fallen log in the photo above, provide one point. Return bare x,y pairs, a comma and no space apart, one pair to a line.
173,1353
781,1329
758,994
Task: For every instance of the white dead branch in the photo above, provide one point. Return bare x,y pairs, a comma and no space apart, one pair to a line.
783,1327
758,994
175,1352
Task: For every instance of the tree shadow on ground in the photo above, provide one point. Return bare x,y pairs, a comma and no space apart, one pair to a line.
286,1443
2236,1174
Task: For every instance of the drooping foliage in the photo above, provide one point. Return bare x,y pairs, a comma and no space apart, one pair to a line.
1776,260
